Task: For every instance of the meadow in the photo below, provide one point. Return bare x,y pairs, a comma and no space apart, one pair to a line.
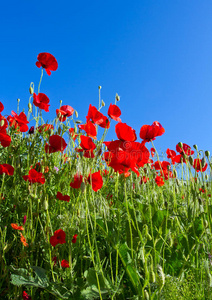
88,218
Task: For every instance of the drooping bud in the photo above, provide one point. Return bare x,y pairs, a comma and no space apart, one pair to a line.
180,144
2,123
76,114
103,104
207,153
195,147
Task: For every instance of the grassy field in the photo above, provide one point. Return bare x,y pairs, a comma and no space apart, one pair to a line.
82,218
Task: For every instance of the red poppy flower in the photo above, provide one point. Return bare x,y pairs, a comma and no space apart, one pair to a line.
58,238
7,169
1,107
96,181
87,146
150,132
114,112
161,165
5,139
34,176
65,264
18,121
77,181
56,143
61,197
16,227
47,61
97,117
199,165
125,132
64,112
73,134
74,239
41,101
25,296
89,128
159,180
45,127
23,240
185,149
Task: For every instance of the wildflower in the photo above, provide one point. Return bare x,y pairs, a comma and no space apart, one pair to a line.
87,146
159,180
47,61
56,143
199,165
61,197
150,132
58,238
5,139
97,117
114,112
18,121
64,112
95,180
152,150
23,240
74,239
76,184
65,264
184,149
1,107
16,227
31,130
25,296
41,101
125,132
144,179
34,176
89,128
7,169
73,134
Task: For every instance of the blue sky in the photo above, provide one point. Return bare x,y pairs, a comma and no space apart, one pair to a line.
157,55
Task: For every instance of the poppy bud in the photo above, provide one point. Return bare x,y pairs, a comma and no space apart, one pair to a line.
2,123
195,147
177,182
180,144
146,295
103,104
59,130
61,102
175,173
176,189
30,107
191,160
117,97
59,115
205,222
31,130
203,162
76,113
18,100
31,90
82,187
207,153
206,177
99,87
45,204
78,122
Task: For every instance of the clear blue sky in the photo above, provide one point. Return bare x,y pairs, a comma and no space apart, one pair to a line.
157,55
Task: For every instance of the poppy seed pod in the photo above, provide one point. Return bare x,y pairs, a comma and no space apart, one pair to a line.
207,153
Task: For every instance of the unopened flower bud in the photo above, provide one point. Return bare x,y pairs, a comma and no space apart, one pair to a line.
78,122
82,187
180,144
207,153
31,90
99,87
206,177
103,104
61,102
175,173
59,130
203,162
195,147
117,97
2,123
18,100
191,160
45,204
76,114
